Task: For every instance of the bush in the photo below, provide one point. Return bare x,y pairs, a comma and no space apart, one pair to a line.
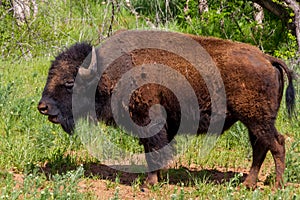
56,25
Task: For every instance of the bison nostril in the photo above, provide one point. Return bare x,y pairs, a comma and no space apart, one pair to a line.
43,108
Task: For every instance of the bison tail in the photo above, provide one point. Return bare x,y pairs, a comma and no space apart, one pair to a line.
290,90
290,97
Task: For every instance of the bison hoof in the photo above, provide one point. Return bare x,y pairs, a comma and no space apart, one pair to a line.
151,180
279,185
250,184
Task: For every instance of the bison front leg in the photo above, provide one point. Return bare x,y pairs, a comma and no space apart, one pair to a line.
158,152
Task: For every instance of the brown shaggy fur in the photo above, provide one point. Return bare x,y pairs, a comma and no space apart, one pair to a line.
253,83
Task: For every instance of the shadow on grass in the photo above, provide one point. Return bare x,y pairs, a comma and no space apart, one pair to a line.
171,176
214,176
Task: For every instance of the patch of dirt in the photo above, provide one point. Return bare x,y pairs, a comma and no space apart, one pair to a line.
19,179
128,188
105,182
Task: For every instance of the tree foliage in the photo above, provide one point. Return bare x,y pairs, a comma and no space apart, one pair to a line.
56,25
229,19
60,23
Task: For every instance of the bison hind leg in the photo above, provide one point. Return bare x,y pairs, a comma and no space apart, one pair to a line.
278,152
259,152
264,138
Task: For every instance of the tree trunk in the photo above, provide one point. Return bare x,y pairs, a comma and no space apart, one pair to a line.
203,6
294,5
186,11
281,12
258,14
22,11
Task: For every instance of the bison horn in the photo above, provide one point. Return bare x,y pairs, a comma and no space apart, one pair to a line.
90,72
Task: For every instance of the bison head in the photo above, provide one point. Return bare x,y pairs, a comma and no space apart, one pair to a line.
56,101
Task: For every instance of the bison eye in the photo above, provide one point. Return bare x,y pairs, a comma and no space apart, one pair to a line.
69,85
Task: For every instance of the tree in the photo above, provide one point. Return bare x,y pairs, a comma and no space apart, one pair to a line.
294,5
281,11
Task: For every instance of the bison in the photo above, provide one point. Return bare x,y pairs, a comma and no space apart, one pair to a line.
253,83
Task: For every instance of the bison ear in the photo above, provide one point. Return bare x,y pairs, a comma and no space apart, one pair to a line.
90,72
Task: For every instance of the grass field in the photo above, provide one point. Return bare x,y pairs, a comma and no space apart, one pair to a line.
40,161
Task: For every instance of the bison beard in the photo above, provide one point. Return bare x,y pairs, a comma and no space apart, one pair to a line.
253,83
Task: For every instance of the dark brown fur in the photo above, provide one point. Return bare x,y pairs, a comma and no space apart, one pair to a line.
253,83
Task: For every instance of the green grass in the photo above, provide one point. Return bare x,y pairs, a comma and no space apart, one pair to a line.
37,186
38,160
51,163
